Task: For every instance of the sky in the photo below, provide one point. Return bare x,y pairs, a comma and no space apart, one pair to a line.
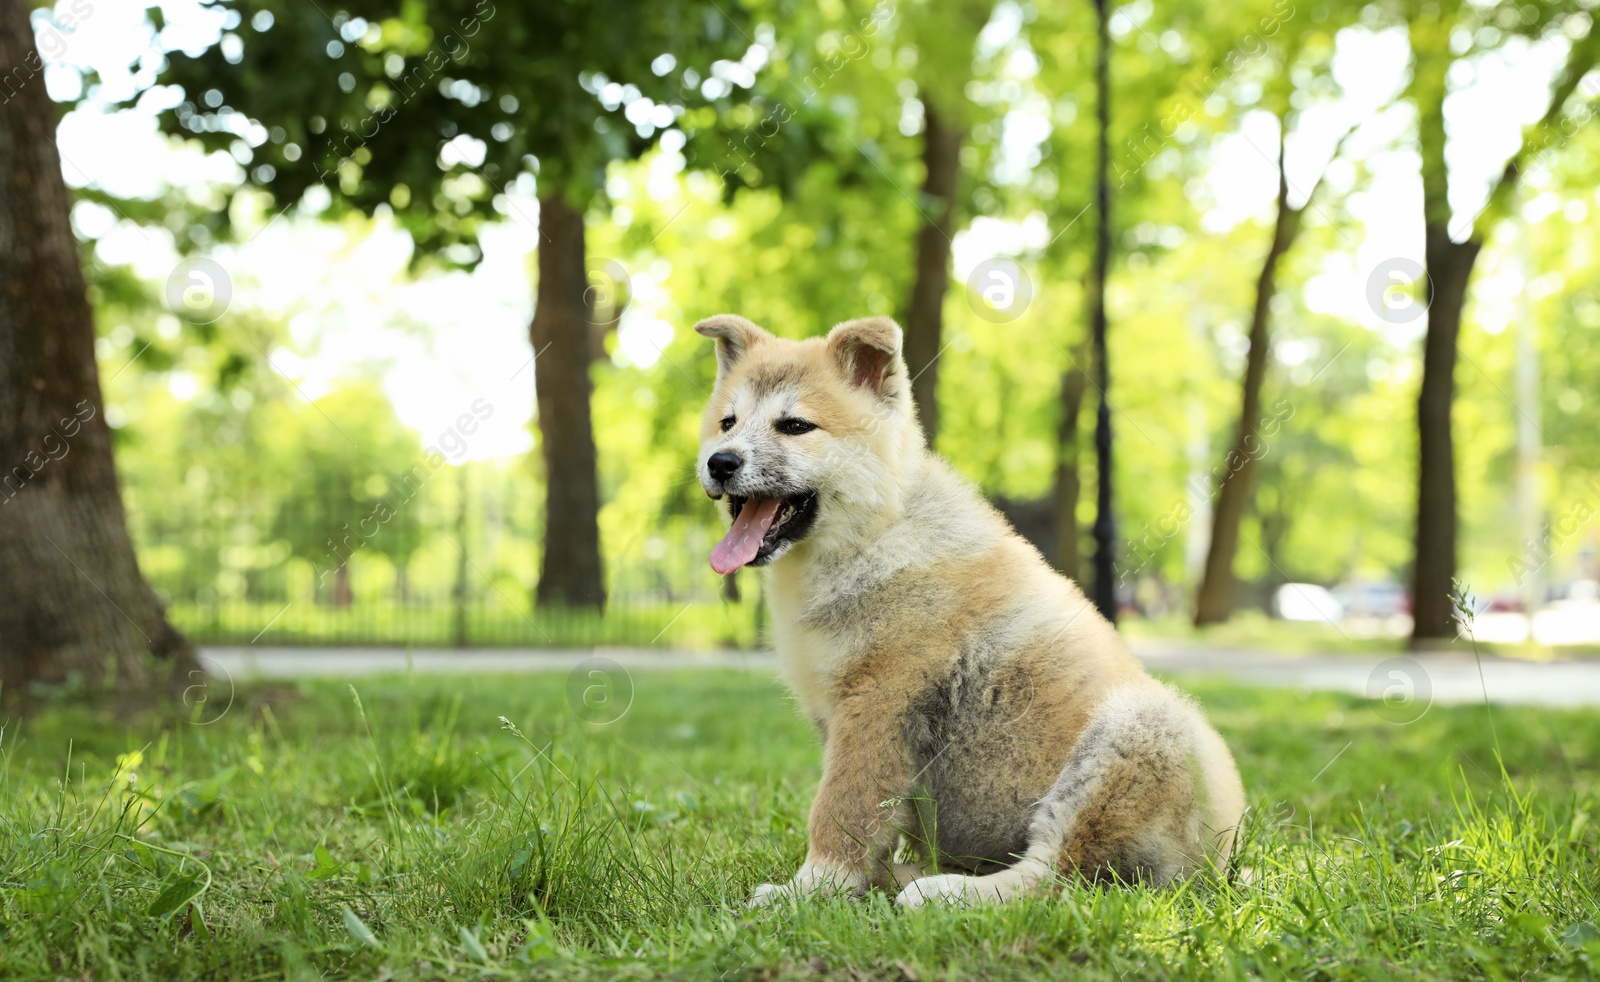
443,341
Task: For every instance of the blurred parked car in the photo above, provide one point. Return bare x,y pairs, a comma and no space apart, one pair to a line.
1306,602
1381,598
1583,592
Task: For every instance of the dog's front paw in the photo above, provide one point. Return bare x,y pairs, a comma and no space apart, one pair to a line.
958,890
811,880
948,888
768,894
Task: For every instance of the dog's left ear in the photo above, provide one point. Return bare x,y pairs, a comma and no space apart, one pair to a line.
735,336
867,351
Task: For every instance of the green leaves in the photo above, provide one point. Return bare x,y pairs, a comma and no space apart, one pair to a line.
202,799
327,867
178,893
182,889
381,96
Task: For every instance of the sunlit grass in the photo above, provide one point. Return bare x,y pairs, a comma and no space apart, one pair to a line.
415,832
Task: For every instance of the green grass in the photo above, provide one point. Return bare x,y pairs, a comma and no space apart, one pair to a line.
306,834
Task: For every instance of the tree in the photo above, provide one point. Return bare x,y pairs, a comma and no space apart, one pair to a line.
1448,263
570,567
359,474
1214,598
1235,483
1060,42
1068,486
941,162
432,110
945,34
1105,532
76,604
1067,38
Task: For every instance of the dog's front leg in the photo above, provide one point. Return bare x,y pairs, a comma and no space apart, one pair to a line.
865,770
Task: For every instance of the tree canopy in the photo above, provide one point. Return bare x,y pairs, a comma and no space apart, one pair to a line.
771,159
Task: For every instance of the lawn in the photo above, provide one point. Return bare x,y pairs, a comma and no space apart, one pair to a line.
401,829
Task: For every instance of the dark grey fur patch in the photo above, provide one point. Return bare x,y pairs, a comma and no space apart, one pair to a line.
856,604
961,740
1136,863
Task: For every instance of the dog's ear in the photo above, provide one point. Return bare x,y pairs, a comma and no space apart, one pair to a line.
867,351
735,336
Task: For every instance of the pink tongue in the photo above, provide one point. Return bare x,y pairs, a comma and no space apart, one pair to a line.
743,541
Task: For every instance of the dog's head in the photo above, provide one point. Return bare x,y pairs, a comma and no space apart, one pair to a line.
806,440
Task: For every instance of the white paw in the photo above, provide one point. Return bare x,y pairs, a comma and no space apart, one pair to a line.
811,880
950,888
768,894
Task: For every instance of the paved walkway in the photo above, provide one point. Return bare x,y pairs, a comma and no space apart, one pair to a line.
1445,678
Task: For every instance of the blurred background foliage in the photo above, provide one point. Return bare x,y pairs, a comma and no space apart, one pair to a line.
256,507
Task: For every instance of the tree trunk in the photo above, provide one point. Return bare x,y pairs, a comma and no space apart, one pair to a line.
941,152
570,572
1449,269
1274,533
342,595
1068,484
1214,599
1105,528
1433,571
74,602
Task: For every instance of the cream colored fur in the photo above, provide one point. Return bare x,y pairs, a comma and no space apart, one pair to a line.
976,711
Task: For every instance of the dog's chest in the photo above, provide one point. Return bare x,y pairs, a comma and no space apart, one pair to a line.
812,656
811,662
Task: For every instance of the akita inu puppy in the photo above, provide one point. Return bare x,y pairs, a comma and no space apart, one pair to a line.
972,702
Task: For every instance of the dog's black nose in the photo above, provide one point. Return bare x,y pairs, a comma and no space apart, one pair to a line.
723,464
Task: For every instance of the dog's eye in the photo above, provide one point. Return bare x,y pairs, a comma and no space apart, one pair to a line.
727,423
795,427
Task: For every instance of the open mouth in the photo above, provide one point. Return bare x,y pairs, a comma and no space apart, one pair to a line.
761,527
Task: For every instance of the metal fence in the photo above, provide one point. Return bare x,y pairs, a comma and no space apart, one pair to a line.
428,623
238,578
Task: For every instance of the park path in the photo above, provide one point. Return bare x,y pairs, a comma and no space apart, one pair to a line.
1446,678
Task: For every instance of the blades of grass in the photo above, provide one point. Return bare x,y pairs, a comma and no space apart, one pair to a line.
358,928
397,827
182,891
